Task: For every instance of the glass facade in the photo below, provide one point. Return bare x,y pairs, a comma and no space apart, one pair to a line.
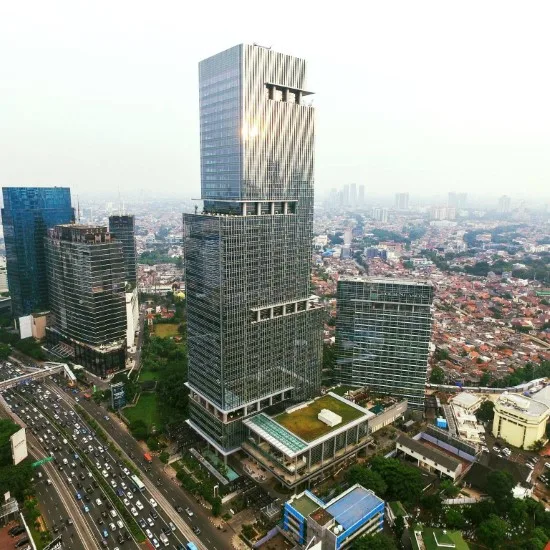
122,228
254,331
383,332
85,270
27,215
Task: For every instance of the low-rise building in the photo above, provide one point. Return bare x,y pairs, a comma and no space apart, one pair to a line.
357,511
520,420
428,538
468,402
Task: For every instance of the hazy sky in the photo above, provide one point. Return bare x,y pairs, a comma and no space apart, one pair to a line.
414,95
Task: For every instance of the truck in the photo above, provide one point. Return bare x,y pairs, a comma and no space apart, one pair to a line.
164,539
148,458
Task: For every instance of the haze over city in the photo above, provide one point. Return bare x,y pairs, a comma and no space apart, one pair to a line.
425,97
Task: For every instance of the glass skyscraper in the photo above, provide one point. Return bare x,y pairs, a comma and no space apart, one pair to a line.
86,282
254,330
383,332
27,214
122,227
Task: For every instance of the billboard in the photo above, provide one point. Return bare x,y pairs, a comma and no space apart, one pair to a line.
25,326
118,397
19,446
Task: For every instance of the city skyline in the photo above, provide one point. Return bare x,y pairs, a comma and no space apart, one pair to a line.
401,134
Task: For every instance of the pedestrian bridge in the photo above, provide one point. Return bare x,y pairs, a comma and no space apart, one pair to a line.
37,374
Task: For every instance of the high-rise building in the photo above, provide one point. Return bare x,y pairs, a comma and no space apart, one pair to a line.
122,228
383,332
379,214
361,197
346,195
457,200
402,201
504,204
254,330
353,194
27,215
85,269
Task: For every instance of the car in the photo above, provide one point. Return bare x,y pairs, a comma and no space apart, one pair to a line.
123,485
156,543
126,471
150,521
113,483
153,502
130,495
112,526
530,466
86,509
105,533
148,533
172,526
120,524
154,515
189,512
142,523
113,513
496,449
120,493
166,530
98,465
98,501
105,473
106,417
69,521
196,530
179,509
78,496
139,504
100,520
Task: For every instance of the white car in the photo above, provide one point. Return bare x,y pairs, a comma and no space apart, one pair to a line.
98,501
134,511
148,533
126,471
105,473
156,543
126,502
150,521
139,505
123,485
130,495
113,483
153,502
120,524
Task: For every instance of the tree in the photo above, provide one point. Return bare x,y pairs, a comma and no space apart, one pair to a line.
437,376
367,478
216,506
499,487
486,412
537,446
492,531
399,527
5,351
454,519
448,488
139,429
485,380
404,482
164,456
374,542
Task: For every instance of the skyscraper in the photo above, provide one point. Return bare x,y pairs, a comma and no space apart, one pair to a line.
346,195
27,214
402,201
85,270
353,194
122,227
383,332
254,330
504,204
361,197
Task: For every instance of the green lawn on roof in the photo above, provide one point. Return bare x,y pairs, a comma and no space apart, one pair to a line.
305,424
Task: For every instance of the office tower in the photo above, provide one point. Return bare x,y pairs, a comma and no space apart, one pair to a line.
383,331
361,198
353,194
346,195
122,228
504,204
402,201
27,214
254,330
379,214
85,270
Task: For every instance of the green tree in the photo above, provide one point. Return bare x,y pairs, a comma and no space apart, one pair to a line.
164,456
374,542
437,376
486,412
537,446
448,488
454,518
367,478
492,532
399,527
216,506
139,429
485,380
5,351
499,487
404,482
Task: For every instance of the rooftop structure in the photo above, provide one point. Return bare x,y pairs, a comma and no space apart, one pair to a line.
467,401
520,420
428,538
357,511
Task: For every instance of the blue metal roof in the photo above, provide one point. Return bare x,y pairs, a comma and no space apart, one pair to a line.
353,506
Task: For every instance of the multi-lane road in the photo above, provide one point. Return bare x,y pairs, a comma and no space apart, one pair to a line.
82,468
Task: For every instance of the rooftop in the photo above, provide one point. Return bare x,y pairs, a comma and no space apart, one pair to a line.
353,505
465,399
304,504
519,403
303,422
438,457
435,539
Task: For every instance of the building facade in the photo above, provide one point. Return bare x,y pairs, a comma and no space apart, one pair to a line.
254,330
85,271
27,215
402,201
123,229
519,420
383,332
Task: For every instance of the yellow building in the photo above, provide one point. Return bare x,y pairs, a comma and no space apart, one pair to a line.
519,420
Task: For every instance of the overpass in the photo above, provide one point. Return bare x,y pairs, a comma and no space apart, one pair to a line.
37,374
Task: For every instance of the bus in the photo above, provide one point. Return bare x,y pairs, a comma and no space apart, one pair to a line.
137,482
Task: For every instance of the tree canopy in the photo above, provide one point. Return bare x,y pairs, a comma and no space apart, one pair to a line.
403,482
375,542
486,412
367,478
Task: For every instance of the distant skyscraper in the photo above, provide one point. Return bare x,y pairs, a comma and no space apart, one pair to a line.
86,283
346,196
457,200
402,201
353,194
379,214
27,214
504,204
254,331
361,198
123,229
383,332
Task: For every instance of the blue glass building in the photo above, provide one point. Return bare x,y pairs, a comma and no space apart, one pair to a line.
27,214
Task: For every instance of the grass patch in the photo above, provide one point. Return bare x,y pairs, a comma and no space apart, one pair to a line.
166,330
146,375
146,409
305,424
341,390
